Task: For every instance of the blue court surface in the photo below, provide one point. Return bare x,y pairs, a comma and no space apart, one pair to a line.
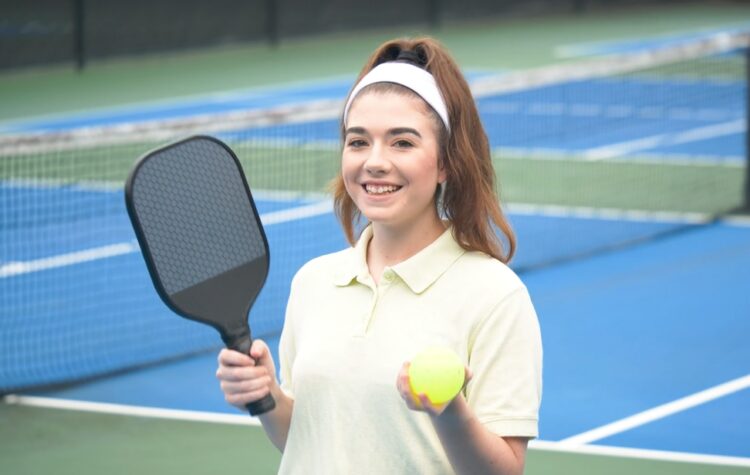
624,333
645,347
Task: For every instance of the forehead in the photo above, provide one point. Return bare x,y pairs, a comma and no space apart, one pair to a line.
394,98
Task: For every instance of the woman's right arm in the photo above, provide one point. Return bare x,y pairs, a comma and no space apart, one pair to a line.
245,380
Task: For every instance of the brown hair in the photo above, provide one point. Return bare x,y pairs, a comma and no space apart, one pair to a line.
470,201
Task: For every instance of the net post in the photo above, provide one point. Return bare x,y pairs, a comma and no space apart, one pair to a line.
434,13
272,22
746,199
79,50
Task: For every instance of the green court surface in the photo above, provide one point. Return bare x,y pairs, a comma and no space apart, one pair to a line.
611,184
512,43
36,441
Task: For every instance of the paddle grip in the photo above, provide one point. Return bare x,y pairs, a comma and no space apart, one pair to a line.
267,403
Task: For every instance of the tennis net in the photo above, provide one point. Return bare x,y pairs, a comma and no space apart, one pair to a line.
592,156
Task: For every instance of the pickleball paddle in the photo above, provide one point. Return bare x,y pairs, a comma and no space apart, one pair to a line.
201,237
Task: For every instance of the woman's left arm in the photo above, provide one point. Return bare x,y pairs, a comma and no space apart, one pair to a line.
470,446
502,392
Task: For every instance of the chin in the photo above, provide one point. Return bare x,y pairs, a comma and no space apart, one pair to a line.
379,218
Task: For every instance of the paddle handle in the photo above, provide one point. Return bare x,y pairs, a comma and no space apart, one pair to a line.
267,403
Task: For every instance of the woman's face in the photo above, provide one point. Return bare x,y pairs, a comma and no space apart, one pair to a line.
390,159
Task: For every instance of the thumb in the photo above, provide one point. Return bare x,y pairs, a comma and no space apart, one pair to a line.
260,352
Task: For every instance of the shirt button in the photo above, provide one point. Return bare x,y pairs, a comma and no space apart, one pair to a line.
388,275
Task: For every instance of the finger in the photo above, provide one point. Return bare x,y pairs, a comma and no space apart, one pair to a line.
245,386
402,380
468,375
240,373
229,357
403,384
412,401
243,399
429,407
405,368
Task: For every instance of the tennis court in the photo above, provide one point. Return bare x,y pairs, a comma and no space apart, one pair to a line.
619,186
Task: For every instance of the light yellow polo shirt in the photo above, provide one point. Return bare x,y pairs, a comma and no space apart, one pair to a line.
345,340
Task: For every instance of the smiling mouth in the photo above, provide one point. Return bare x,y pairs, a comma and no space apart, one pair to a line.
380,189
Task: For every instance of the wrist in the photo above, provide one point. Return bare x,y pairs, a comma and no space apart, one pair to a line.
456,412
277,392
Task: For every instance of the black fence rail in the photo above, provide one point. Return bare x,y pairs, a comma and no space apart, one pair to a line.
36,32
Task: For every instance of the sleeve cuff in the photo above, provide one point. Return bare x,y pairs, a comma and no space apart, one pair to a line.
513,427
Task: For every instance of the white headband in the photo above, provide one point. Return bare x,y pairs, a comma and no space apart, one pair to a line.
407,75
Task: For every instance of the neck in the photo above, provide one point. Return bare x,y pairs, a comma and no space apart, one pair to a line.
389,245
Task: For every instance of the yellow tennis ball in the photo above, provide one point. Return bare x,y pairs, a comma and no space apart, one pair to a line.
438,373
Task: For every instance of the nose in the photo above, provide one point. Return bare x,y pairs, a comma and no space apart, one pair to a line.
377,163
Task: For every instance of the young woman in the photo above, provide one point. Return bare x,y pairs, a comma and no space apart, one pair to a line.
416,198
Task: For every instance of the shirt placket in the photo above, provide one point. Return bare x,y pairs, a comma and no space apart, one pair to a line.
378,292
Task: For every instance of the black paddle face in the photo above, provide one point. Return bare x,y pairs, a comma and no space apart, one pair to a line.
200,234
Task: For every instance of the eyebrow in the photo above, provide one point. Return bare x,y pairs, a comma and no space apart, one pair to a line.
391,132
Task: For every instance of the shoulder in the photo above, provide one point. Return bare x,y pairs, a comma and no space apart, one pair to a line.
483,288
325,266
485,273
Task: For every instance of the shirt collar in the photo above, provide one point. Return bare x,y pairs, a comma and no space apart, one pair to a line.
354,265
418,272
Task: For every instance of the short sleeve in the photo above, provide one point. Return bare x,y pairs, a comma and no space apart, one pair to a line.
505,357
287,345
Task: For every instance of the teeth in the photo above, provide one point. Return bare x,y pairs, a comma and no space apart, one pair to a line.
380,189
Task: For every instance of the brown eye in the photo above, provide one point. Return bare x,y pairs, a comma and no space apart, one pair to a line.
356,143
403,144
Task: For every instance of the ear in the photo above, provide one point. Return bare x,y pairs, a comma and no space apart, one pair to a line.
442,173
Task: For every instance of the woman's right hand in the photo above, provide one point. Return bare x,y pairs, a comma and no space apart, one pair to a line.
245,379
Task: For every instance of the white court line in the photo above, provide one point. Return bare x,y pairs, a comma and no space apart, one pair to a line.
611,214
739,221
136,411
658,412
647,454
219,418
10,269
26,267
574,155
198,99
615,214
300,212
607,111
14,268
576,50
646,143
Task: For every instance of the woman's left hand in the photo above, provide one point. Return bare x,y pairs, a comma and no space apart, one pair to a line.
420,402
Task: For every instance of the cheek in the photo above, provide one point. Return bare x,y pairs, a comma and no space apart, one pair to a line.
348,172
428,173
